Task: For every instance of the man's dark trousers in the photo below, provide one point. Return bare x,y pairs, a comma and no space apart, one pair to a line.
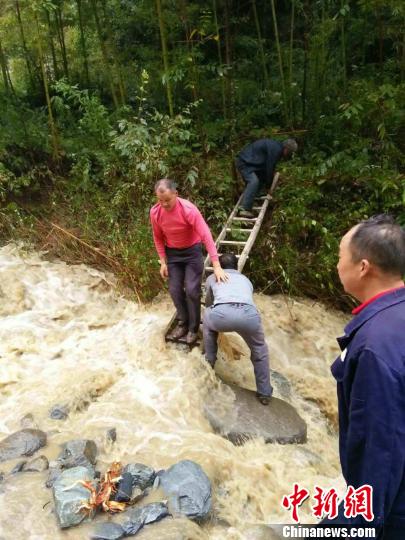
185,267
253,185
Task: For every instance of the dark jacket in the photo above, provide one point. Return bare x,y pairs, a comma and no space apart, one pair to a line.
260,157
370,375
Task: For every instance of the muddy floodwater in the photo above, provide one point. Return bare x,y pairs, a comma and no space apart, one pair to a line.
68,337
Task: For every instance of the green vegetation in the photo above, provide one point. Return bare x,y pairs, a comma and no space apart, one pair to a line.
100,98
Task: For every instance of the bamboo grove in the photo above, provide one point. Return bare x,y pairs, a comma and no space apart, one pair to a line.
107,95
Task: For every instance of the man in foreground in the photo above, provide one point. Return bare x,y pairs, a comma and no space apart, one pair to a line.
257,163
370,372
230,308
178,231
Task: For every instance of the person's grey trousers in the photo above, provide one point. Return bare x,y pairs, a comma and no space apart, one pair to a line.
243,319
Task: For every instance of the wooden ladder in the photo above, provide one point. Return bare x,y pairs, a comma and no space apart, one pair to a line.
247,228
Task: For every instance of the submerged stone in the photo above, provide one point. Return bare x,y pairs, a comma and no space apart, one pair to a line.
79,452
188,488
111,434
138,517
59,412
22,443
108,531
124,489
246,418
69,495
142,475
38,464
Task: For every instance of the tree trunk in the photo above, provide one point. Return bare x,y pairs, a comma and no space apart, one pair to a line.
24,44
343,43
83,42
104,54
290,90
260,42
280,62
214,6
51,46
52,125
61,38
3,63
165,56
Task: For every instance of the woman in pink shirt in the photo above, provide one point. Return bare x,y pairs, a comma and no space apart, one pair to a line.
178,232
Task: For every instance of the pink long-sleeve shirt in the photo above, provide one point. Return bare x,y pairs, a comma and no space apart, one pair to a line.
181,227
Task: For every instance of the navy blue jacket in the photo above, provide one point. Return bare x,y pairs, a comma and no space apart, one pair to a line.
260,157
370,376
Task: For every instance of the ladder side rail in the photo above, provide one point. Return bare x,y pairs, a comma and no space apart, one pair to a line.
257,225
253,235
222,234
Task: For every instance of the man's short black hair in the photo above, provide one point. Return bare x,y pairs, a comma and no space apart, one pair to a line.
165,183
381,241
228,261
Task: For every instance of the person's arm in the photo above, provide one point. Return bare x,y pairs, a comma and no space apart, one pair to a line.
158,240
371,456
201,228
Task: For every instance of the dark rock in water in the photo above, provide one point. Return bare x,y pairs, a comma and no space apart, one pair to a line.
38,464
188,488
138,517
59,412
69,501
142,475
28,422
112,435
18,467
246,418
281,383
54,473
80,452
21,443
108,531
124,489
1,476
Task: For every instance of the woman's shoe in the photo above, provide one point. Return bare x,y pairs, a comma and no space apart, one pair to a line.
191,338
180,331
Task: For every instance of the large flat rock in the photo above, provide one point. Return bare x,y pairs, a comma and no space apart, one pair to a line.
244,417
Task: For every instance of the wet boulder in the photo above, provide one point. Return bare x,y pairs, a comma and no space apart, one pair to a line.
188,488
142,475
111,435
246,418
108,531
22,443
59,412
55,470
38,464
69,495
78,453
136,518
124,488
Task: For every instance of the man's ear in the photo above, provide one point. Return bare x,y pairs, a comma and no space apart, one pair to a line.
365,267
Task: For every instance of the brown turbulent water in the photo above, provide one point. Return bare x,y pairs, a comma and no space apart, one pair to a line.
66,336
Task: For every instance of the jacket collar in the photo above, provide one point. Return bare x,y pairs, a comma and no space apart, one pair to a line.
379,304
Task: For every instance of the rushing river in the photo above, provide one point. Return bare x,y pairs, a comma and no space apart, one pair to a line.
67,336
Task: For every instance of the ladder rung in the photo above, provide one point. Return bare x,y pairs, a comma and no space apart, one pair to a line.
233,242
257,207
243,219
230,229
